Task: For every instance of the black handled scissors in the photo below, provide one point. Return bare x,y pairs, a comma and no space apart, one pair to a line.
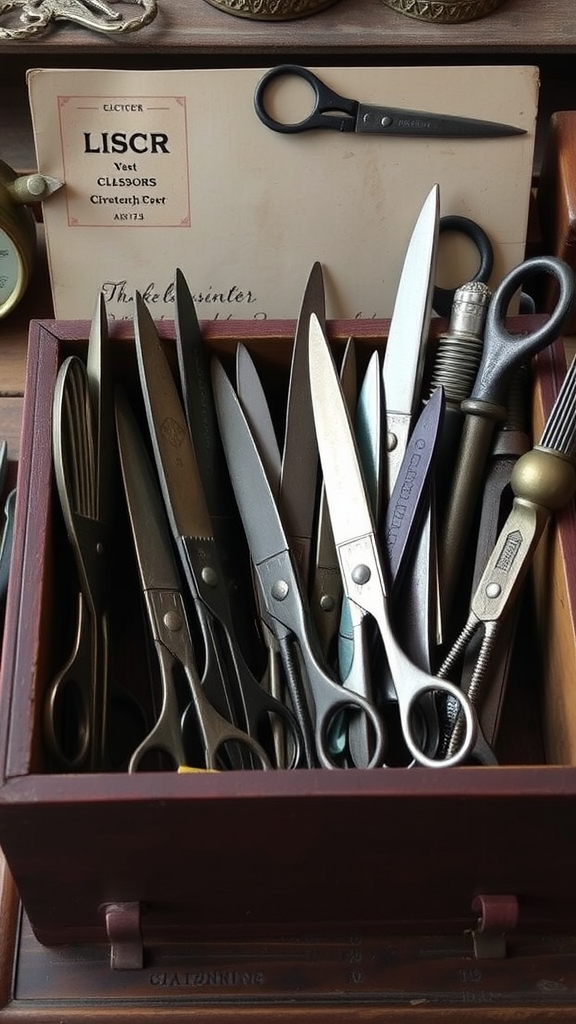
338,113
453,223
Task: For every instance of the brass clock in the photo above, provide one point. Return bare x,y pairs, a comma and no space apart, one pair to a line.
18,231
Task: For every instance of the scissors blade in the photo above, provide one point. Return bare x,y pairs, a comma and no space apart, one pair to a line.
326,587
262,524
173,449
198,402
152,540
348,499
406,502
99,376
298,480
406,346
257,412
398,121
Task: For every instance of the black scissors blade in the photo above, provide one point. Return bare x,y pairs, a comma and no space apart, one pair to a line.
420,123
173,449
198,402
152,541
298,480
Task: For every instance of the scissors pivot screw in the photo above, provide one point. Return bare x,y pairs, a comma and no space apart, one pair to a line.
361,574
173,621
210,577
327,603
493,590
280,590
391,441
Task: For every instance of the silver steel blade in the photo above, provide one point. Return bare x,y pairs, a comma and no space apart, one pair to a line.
348,500
406,345
257,412
173,450
262,525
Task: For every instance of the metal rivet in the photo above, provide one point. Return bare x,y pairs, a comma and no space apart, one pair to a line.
327,603
173,621
361,574
209,576
493,590
280,590
391,441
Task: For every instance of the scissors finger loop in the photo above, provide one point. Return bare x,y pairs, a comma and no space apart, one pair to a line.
503,350
327,103
444,297
467,730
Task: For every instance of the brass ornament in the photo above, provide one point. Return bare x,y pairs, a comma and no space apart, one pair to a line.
444,11
271,10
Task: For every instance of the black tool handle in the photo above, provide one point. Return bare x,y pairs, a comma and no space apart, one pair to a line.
327,103
504,351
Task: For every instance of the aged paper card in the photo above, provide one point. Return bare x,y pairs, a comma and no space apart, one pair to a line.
171,169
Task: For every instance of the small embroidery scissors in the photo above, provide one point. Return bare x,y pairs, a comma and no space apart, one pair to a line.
338,113
96,15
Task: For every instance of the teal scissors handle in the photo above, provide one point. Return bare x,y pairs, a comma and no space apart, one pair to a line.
286,614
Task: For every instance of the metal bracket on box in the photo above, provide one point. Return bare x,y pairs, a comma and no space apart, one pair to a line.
125,936
498,916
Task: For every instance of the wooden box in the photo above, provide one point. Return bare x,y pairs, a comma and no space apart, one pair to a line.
247,872
557,194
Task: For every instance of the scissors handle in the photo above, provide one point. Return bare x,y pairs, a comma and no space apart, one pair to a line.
286,612
217,736
365,587
327,104
503,351
444,297
68,703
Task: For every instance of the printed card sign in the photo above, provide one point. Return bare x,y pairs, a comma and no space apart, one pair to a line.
137,177
170,169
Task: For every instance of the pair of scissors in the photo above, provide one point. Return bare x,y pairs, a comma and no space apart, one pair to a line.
283,602
183,730
502,353
361,563
78,726
292,470
98,16
402,378
338,113
226,678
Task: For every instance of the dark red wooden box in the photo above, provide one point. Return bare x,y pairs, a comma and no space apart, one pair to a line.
161,858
